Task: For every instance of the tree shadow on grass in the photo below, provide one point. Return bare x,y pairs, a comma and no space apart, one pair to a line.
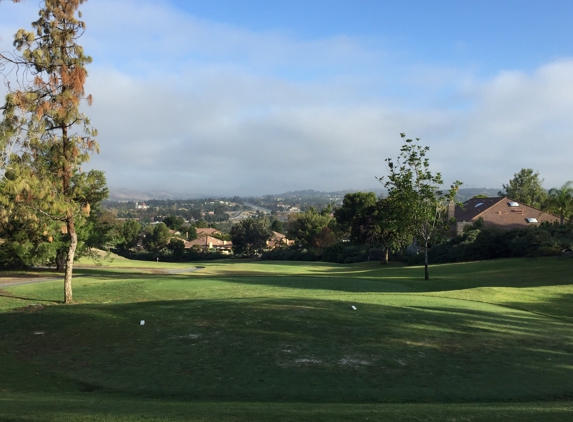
4,293
514,273
416,349
558,306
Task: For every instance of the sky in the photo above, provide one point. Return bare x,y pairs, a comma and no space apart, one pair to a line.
253,97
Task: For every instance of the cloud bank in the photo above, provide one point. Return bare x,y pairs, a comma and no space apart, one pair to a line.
189,105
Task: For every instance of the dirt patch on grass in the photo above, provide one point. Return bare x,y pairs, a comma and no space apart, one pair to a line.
14,278
30,308
348,361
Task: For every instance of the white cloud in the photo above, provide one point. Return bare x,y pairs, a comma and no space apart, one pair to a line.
195,106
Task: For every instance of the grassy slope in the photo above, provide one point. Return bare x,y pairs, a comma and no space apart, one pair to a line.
248,339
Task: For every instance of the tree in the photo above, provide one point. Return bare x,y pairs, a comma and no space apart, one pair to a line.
383,225
560,201
103,230
277,226
47,113
191,233
418,206
250,236
32,239
157,240
201,224
27,240
174,222
351,216
130,234
177,248
525,187
307,227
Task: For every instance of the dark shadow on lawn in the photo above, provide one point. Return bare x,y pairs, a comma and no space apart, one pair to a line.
365,277
558,306
334,283
514,273
4,293
291,350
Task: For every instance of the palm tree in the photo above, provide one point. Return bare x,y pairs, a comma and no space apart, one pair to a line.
561,200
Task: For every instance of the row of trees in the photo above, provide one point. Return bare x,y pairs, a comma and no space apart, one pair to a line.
415,209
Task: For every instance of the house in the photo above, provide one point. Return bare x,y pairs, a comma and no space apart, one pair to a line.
277,240
207,243
501,212
207,232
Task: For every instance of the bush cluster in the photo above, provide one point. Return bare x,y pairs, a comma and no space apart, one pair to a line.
188,256
478,243
291,254
342,253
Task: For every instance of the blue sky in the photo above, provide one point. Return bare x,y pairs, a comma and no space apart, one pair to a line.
486,34
253,97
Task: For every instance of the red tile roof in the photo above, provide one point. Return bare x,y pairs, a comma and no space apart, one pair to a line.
209,242
498,212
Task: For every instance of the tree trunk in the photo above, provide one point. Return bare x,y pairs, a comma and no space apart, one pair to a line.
60,261
386,253
70,260
426,274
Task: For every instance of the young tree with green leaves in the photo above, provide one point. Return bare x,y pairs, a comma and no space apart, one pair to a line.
526,187
419,208
55,136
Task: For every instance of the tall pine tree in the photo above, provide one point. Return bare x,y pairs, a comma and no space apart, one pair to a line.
55,138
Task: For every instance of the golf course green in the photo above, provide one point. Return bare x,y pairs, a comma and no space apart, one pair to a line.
258,340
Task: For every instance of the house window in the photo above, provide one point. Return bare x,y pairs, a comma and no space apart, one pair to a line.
532,220
513,204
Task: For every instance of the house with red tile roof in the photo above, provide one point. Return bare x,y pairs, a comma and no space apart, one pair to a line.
207,232
208,242
277,240
501,212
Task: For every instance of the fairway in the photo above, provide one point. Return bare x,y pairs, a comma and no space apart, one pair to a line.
248,340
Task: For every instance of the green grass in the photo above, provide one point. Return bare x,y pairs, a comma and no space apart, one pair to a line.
241,340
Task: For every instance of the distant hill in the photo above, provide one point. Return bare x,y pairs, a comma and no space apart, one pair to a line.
466,193
123,194
310,193
462,195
